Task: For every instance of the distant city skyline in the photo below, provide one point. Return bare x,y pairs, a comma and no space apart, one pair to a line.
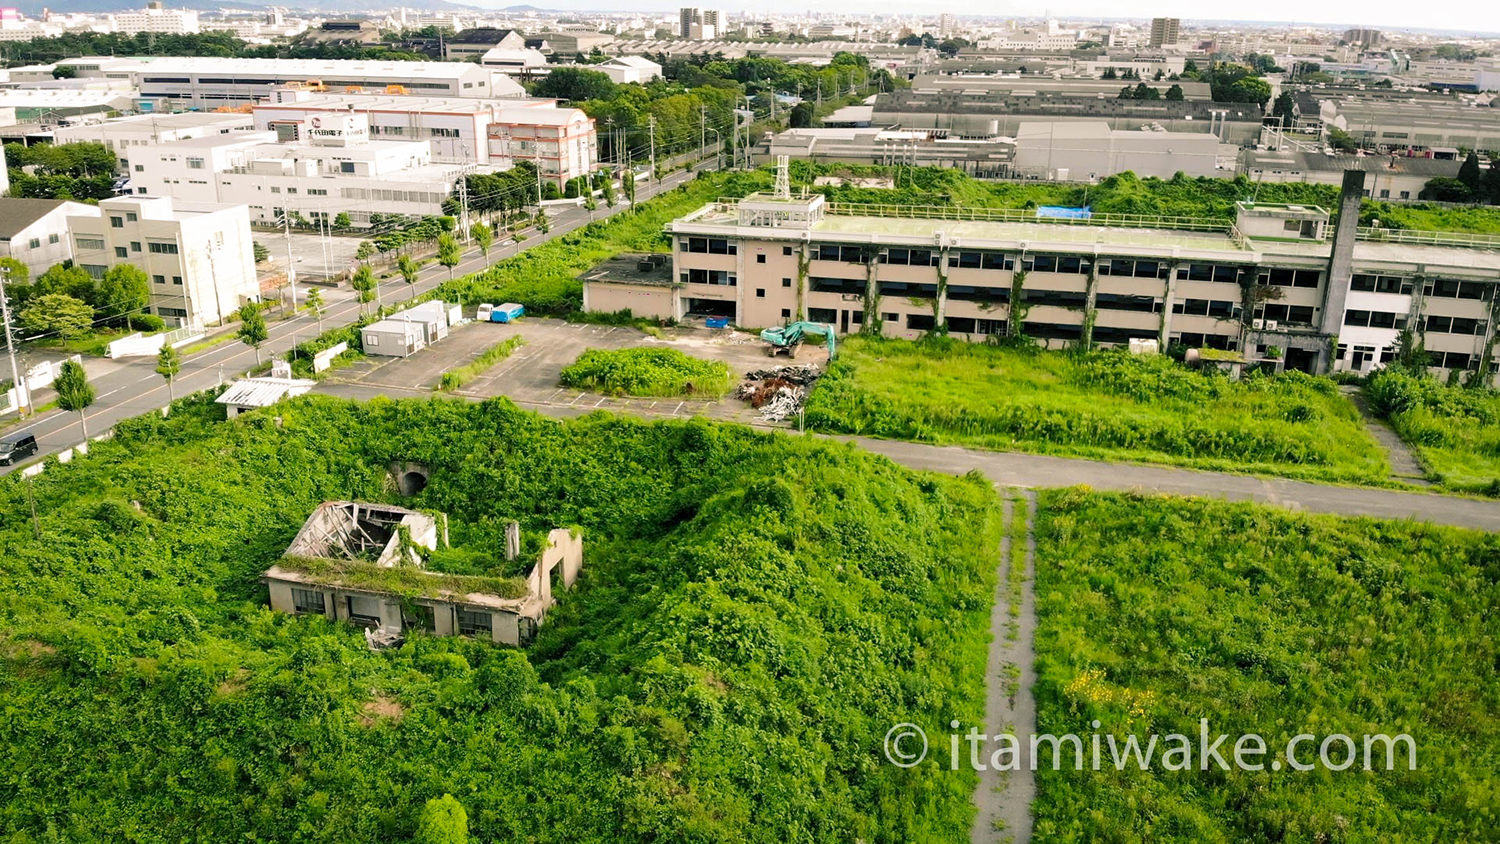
1377,13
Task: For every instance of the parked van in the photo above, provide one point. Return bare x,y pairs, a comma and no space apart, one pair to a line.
15,447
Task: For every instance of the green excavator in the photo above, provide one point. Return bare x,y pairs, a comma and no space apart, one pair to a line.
788,337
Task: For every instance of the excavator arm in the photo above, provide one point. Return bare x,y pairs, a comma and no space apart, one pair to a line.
788,337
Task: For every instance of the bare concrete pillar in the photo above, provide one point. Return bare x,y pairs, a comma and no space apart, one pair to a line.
512,540
1341,262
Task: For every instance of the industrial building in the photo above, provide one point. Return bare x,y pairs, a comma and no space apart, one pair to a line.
343,561
499,133
173,83
1406,121
1089,150
989,113
1392,177
35,231
199,261
125,135
1287,283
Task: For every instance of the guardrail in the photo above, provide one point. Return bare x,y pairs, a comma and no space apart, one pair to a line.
1007,215
1465,239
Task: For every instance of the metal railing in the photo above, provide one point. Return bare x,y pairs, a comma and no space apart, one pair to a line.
1020,215
1464,239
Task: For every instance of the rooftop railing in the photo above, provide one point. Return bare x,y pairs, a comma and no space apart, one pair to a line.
1464,239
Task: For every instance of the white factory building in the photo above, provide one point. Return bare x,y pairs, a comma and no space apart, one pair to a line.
335,168
125,135
178,83
456,127
1086,150
199,262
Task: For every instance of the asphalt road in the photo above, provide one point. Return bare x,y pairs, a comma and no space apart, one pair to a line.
131,387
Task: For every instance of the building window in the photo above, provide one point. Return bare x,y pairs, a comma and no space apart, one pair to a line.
95,271
473,623
891,317
52,238
786,250
35,243
116,222
140,168
131,217
135,246
346,167
786,313
760,259
275,189
306,600
195,163
786,282
760,293
163,248
159,279
177,279
121,252
89,242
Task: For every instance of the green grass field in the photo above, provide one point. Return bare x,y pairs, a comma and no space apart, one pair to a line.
1105,404
1156,612
1455,431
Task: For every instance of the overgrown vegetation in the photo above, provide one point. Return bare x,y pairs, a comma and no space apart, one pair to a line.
648,372
1106,404
544,278
754,613
457,377
1454,430
1154,613
1125,193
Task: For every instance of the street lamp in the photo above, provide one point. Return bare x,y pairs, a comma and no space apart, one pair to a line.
23,390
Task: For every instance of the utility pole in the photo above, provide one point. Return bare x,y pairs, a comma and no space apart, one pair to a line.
609,130
463,204
23,390
703,133
651,127
291,273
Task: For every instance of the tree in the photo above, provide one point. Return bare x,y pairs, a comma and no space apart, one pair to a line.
449,252
1470,174
67,280
17,281
253,329
364,250
314,300
74,392
627,183
259,250
1174,93
1341,140
484,236
1285,108
341,220
408,268
1492,181
124,290
58,313
576,84
544,224
1109,73
802,115
364,284
1250,90
590,204
1444,189
168,364
607,187
443,821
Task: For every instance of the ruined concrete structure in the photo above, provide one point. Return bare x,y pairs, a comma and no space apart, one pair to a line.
333,566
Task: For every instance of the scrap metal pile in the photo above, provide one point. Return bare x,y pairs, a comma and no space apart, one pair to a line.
778,393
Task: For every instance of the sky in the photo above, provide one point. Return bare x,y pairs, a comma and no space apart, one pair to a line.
1478,16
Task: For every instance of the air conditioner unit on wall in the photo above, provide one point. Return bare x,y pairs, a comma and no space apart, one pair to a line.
1258,324
1270,325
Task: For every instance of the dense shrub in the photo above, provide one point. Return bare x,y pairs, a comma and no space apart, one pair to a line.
1455,430
1105,403
147,322
753,615
647,372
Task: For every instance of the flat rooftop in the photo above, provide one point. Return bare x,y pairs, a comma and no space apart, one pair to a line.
626,269
402,104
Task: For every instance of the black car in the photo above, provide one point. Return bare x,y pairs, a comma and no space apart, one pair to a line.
13,447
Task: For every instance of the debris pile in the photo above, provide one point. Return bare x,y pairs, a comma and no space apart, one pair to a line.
778,393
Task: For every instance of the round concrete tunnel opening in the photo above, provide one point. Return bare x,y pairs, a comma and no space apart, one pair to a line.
412,482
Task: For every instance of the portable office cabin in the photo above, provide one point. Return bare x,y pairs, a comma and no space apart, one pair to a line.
393,337
434,317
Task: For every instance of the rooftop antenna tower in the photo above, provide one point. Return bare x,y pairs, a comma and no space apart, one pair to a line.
783,188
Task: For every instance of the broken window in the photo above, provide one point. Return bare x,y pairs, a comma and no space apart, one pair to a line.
474,623
309,601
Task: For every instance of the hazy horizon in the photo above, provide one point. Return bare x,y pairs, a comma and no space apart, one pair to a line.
1379,14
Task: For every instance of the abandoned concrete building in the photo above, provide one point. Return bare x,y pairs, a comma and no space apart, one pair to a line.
362,563
1290,284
